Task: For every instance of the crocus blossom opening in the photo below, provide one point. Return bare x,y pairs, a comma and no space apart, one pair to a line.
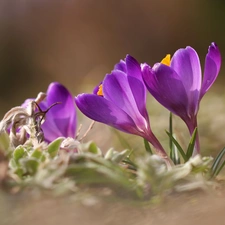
166,60
123,104
100,91
60,120
180,86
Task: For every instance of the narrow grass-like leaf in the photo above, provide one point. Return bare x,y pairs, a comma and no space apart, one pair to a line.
179,148
173,149
172,155
217,161
176,154
191,144
131,164
220,168
122,140
147,147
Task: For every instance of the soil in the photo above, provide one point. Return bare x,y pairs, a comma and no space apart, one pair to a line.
190,208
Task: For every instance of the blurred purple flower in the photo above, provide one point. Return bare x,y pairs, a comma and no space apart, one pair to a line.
120,101
179,85
60,120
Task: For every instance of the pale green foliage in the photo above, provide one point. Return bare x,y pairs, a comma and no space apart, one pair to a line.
48,167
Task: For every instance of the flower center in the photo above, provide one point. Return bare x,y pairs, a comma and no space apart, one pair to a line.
100,91
166,60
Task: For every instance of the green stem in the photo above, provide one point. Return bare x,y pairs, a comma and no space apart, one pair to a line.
159,149
191,128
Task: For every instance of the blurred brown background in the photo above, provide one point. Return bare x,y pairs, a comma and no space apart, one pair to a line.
76,42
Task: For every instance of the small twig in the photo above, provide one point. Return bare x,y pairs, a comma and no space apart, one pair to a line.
78,131
42,113
87,131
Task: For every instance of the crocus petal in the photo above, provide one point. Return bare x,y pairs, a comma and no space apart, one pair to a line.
139,92
137,85
121,66
63,115
212,67
187,65
116,89
133,67
167,88
104,111
49,127
51,130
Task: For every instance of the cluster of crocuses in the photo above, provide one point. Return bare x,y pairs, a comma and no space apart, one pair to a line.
120,99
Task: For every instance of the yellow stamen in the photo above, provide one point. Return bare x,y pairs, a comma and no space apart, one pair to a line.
100,91
166,60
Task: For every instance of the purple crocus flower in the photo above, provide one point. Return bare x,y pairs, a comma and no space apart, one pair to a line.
60,120
179,86
120,101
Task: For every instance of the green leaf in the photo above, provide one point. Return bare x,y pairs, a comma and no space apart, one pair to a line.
86,173
93,148
109,154
181,151
119,157
191,145
19,171
37,153
12,164
4,141
54,146
217,161
43,158
18,153
147,147
92,173
30,165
